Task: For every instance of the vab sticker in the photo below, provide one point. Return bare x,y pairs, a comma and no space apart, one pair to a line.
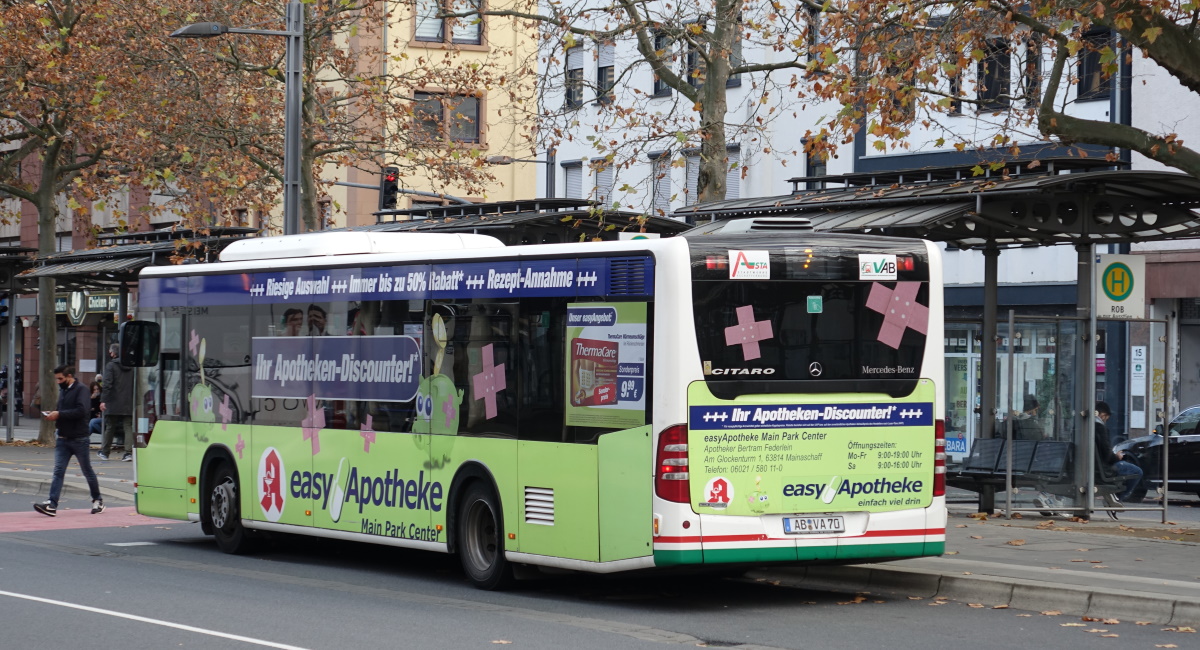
271,495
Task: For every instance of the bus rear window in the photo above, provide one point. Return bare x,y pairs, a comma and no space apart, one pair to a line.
811,330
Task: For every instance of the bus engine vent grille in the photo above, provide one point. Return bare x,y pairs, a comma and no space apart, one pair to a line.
628,275
539,506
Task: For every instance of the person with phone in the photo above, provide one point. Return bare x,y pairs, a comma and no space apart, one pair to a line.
74,407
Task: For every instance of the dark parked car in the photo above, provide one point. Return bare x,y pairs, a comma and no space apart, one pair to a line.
1183,455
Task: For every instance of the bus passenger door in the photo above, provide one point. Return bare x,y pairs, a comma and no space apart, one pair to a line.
626,485
558,501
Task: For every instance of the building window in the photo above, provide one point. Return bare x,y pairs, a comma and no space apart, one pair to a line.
662,47
1031,72
735,57
815,164
995,71
452,117
573,179
695,68
691,187
604,185
1094,83
660,184
606,54
574,88
463,31
733,175
956,94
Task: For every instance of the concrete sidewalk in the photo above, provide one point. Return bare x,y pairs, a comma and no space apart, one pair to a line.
27,468
1135,569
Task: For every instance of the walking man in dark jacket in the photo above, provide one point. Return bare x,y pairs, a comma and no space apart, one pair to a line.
74,407
116,402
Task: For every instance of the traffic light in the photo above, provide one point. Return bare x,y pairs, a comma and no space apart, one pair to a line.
389,186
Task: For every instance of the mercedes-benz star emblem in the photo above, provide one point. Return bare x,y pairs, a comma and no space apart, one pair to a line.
815,369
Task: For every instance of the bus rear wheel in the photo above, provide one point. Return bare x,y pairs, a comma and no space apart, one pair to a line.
225,513
481,540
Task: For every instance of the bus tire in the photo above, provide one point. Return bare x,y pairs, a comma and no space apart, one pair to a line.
480,537
225,512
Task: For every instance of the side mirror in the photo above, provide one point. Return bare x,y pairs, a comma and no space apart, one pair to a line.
139,343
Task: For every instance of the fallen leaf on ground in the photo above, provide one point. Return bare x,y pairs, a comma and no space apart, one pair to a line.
1024,615
1072,625
1045,524
1095,630
961,526
976,537
999,606
951,552
1052,612
1015,542
975,605
1125,528
1100,566
1165,645
1180,628
1110,636
1111,621
981,516
915,598
501,641
1095,561
1142,623
1082,550
1079,560
967,573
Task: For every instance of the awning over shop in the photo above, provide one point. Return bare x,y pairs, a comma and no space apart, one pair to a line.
108,266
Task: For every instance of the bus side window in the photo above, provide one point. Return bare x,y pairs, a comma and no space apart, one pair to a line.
541,336
484,364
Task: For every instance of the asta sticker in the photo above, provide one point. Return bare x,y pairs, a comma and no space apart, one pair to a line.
749,265
271,494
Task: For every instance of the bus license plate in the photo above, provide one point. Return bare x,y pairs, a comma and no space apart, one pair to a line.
814,525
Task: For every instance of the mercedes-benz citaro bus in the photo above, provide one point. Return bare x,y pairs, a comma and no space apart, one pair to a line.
750,393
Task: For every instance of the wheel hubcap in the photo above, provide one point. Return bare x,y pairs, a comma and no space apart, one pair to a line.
223,496
482,539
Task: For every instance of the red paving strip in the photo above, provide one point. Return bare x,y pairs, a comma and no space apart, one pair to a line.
81,517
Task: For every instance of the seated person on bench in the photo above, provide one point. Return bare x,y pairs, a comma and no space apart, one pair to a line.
1111,465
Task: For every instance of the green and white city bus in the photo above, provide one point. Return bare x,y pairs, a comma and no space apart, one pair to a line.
740,395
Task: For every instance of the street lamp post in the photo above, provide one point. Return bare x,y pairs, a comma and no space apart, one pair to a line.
293,91
548,162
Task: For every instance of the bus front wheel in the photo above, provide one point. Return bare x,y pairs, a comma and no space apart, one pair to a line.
481,540
224,511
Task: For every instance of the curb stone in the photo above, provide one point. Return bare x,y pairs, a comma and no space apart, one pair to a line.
1016,593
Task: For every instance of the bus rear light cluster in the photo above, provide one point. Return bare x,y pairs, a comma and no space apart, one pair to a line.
716,262
905,263
939,458
671,473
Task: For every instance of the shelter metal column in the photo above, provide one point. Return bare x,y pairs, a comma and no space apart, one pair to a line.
987,363
1085,378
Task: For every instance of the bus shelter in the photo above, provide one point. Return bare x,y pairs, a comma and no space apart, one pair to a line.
992,208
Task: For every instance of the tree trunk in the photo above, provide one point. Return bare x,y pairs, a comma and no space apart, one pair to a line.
710,185
47,320
48,351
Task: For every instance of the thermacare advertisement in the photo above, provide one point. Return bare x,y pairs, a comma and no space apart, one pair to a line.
791,457
606,369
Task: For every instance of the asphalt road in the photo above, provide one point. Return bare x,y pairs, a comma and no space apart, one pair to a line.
122,580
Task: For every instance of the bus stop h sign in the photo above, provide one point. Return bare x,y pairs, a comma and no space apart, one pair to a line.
1121,286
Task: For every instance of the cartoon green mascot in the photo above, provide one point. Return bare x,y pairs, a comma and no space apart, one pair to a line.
202,398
